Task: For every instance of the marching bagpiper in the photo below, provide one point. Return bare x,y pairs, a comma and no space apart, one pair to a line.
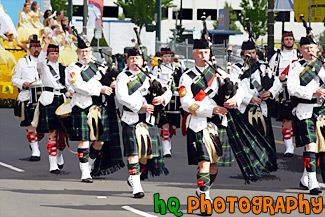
259,84
54,77
27,79
89,113
169,119
139,131
306,80
279,63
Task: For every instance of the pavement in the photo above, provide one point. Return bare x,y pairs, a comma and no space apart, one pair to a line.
27,189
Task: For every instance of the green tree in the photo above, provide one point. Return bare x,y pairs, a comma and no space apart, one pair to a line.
232,18
142,12
179,33
61,5
256,11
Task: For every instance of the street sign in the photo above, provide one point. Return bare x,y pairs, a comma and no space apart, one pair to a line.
317,10
196,33
98,33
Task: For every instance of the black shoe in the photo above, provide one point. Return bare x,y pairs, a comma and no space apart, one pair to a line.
34,158
288,154
60,166
167,155
304,187
55,171
315,191
88,180
138,195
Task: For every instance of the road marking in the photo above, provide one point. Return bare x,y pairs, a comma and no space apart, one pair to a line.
136,211
12,167
279,142
277,126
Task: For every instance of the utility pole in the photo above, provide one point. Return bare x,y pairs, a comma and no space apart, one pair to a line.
181,13
158,24
270,26
70,10
85,16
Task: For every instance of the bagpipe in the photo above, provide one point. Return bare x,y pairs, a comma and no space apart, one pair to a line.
266,81
156,88
309,33
227,89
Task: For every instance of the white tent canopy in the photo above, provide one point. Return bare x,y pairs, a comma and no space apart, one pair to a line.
283,5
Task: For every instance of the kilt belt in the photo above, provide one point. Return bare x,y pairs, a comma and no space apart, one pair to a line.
143,140
212,142
94,123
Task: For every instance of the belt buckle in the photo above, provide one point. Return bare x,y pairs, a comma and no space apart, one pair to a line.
56,91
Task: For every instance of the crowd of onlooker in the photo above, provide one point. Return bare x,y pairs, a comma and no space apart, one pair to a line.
32,21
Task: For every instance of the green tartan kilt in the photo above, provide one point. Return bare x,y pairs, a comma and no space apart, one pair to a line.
130,141
199,153
80,129
29,114
306,129
48,120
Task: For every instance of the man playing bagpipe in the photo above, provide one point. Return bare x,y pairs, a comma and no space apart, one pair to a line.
279,63
89,114
214,128
169,119
306,80
139,131
110,159
54,77
26,78
259,84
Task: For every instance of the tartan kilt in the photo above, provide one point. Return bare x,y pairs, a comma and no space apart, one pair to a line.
155,166
80,129
172,119
29,114
199,153
111,159
48,120
306,129
254,155
130,141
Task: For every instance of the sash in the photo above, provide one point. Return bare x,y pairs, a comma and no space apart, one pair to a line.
310,72
250,70
89,72
136,81
60,80
201,86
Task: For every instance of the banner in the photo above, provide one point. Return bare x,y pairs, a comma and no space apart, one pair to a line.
95,12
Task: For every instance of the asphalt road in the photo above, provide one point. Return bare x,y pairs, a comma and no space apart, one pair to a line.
34,192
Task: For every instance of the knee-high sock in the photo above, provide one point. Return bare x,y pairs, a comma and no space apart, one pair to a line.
33,141
203,181
83,155
213,178
309,161
134,169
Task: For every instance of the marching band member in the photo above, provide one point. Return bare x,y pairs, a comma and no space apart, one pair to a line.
54,77
89,115
26,77
138,123
169,120
256,94
306,80
205,117
279,63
